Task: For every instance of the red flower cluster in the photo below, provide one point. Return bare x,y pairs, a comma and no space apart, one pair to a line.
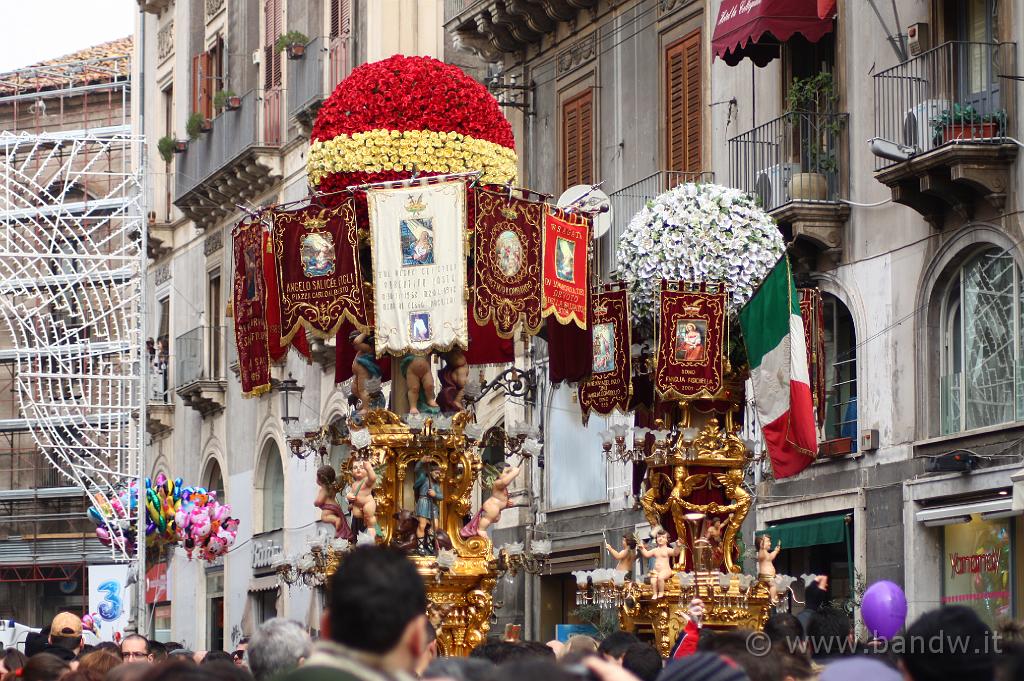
412,93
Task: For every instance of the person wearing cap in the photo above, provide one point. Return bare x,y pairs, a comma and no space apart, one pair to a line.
65,639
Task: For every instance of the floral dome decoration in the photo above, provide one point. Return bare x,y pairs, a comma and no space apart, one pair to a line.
404,114
697,232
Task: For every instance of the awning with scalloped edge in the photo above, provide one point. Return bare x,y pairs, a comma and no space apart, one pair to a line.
757,28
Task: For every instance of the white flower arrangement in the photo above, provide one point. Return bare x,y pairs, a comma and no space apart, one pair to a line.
697,232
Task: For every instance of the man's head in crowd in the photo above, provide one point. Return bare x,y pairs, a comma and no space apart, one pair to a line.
951,643
615,645
376,606
278,646
135,648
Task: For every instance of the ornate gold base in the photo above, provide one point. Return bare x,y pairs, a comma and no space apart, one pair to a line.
663,618
460,604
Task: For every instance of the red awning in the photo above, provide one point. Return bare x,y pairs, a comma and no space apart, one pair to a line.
826,9
756,28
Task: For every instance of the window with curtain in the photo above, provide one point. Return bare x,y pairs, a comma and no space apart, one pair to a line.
683,104
981,316
840,370
273,489
578,140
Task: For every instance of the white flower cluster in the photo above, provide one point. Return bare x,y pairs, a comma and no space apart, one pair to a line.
697,232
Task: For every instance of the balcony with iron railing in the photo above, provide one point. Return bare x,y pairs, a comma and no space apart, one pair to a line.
942,126
200,368
794,165
234,162
627,202
491,28
307,85
160,402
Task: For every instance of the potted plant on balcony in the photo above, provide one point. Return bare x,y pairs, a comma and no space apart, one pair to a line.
166,147
964,122
227,99
294,42
814,98
196,124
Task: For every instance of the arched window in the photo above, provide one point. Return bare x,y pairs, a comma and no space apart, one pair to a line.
840,370
980,330
272,488
214,481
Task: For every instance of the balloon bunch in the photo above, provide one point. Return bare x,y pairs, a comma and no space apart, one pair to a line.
174,513
205,526
114,517
90,622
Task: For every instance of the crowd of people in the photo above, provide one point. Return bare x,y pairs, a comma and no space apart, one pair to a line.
375,629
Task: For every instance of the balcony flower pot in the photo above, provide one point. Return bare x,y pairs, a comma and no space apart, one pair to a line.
840,446
180,146
294,42
808,187
970,131
233,103
296,51
206,126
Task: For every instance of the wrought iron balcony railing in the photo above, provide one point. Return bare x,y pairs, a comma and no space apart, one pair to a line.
798,156
199,355
957,92
306,79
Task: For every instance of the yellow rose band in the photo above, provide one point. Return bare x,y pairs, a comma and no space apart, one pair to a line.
425,151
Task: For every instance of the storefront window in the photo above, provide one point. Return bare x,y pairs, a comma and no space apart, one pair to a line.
162,622
978,565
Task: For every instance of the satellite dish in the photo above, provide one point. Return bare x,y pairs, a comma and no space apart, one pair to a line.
596,203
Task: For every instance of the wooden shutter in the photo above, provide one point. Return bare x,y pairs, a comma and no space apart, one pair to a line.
578,140
202,93
341,18
683,104
272,31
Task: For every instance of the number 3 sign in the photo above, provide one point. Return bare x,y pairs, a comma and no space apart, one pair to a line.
109,597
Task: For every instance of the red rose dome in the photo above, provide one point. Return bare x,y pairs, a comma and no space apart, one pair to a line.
404,114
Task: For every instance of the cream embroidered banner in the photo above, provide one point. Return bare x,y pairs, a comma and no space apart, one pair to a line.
419,267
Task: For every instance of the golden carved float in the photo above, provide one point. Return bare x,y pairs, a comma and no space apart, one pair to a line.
460,579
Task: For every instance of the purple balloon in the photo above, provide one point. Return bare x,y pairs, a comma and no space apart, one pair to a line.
884,609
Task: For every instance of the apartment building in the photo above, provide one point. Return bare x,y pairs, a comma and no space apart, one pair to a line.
83,101
913,241
256,104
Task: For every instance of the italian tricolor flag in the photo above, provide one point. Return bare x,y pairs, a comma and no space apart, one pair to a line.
774,335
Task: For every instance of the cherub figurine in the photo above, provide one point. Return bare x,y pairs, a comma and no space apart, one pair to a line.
663,554
765,564
360,497
364,368
454,377
419,383
490,510
627,556
713,534
429,495
327,502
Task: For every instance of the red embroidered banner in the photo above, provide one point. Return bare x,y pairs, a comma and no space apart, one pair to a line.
609,385
814,335
566,244
507,262
319,281
691,347
249,296
273,309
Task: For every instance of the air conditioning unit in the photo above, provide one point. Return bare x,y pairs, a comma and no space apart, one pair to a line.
917,123
772,184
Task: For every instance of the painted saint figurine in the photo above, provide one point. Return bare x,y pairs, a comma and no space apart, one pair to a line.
360,497
490,510
766,565
327,502
663,554
429,495
364,368
626,557
419,382
453,377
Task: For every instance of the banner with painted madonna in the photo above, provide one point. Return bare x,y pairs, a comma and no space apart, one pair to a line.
609,386
690,340
507,262
566,255
419,267
319,282
249,307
